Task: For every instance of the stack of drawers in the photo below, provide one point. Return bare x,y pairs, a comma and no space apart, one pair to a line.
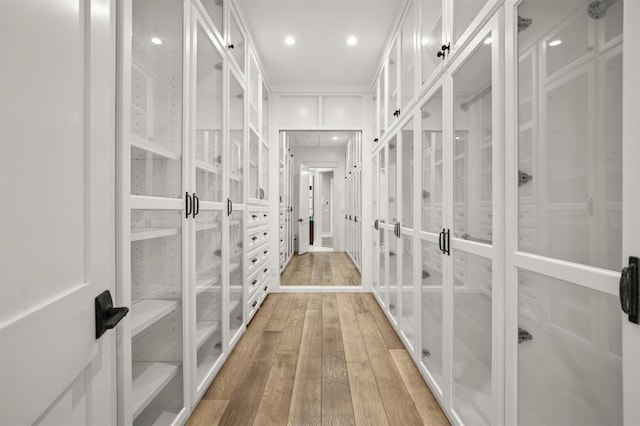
283,237
258,272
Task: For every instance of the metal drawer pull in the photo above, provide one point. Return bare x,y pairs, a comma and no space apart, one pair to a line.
253,305
254,260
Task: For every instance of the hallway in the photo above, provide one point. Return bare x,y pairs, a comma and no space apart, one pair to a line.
319,358
321,268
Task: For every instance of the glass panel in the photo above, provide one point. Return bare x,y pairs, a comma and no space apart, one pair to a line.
208,291
265,113
236,259
215,10
254,93
463,13
407,175
156,314
432,310
570,371
392,76
432,188
374,109
392,243
208,116
254,166
472,147
382,109
431,38
407,315
382,182
382,266
237,40
570,156
392,175
374,205
156,98
264,170
472,339
612,20
408,55
236,141
568,43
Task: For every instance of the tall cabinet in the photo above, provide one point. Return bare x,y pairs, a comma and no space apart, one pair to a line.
495,256
353,199
186,113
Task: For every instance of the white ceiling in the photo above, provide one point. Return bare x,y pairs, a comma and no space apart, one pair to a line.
320,57
320,139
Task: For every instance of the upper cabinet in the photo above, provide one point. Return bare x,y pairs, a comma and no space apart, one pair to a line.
431,38
215,10
408,65
236,41
393,105
464,12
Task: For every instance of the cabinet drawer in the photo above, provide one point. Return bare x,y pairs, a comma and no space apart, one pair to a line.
257,259
258,217
257,237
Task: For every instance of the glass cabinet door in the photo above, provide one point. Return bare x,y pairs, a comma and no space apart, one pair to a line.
236,41
208,289
264,171
156,317
254,165
431,310
254,93
392,81
431,171
464,11
156,99
382,102
208,118
408,55
392,181
406,179
265,112
215,10
375,115
430,37
236,140
376,218
236,271
406,318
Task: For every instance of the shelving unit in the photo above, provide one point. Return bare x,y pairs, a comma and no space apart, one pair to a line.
149,379
145,313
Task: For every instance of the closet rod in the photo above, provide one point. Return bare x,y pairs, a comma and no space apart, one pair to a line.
465,105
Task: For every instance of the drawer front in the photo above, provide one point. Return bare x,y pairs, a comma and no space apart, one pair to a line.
253,305
258,217
257,237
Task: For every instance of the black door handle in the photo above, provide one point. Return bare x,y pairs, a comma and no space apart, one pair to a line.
196,206
629,290
188,205
447,243
229,206
300,220
107,317
440,240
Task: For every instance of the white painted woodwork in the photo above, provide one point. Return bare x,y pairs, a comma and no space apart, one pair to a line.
304,177
58,225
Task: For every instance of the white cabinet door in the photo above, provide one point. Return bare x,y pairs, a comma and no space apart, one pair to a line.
630,218
303,210
57,243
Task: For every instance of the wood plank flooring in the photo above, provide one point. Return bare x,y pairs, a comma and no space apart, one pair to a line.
321,268
311,359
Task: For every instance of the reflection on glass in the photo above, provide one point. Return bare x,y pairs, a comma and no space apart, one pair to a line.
392,176
208,116
382,112
431,193
254,93
463,13
472,146
236,141
254,169
431,38
392,243
265,112
237,41
408,37
431,277
374,208
208,292
472,339
570,153
264,182
392,81
156,98
214,9
406,320
407,175
236,259
381,266
570,369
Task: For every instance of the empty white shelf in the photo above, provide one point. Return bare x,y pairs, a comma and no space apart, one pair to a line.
206,226
205,283
149,378
208,167
137,142
146,312
138,234
204,330
157,417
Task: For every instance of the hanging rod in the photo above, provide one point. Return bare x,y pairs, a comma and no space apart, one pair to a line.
465,105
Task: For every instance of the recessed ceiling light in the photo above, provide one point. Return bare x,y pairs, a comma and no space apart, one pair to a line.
335,138
352,41
457,138
555,43
424,41
289,41
488,40
156,40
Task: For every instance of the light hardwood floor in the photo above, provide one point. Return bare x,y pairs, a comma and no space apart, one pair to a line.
320,268
311,359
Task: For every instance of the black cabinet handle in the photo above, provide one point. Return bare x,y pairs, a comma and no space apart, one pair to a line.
447,243
254,260
440,240
265,270
254,216
253,305
107,316
196,206
629,289
265,233
266,251
229,206
254,282
230,46
254,238
265,215
266,287
188,205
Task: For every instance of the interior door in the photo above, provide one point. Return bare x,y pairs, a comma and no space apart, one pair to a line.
57,243
631,219
303,210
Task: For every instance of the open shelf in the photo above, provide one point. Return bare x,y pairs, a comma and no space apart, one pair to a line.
204,330
157,417
208,167
138,234
146,312
149,378
137,142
